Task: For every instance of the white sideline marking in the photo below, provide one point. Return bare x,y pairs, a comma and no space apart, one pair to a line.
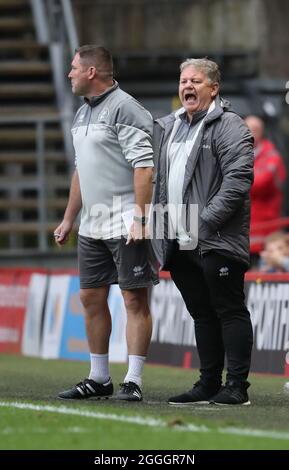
151,422
19,430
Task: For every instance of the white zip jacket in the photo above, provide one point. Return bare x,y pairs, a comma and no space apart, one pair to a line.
112,135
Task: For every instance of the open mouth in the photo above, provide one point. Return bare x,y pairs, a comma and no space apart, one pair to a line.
190,97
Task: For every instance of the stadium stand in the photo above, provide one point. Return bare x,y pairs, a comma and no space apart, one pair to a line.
35,154
34,175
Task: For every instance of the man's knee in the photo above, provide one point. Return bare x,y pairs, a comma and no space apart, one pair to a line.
230,312
135,300
90,297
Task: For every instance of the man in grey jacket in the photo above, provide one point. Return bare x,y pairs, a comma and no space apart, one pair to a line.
112,136
205,160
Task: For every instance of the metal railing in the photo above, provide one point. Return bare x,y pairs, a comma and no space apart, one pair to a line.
37,181
55,27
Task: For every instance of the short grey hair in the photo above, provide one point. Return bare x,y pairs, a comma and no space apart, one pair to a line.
210,68
98,57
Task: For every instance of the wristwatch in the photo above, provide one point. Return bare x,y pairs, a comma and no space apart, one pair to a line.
141,219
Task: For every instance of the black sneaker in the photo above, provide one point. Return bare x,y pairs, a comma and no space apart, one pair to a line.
129,391
233,393
199,395
87,389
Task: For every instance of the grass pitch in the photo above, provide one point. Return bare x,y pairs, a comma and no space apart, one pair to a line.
32,417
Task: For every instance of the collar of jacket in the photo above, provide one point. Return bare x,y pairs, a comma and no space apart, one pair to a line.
221,105
95,100
195,118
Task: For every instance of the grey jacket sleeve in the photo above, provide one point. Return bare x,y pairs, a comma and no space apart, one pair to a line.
134,128
234,149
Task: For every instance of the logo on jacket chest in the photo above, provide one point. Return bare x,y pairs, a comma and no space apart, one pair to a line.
81,119
206,143
104,115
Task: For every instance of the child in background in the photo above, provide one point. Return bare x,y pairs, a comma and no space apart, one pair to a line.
275,256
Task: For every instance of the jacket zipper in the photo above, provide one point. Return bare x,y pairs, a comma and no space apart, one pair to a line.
88,121
196,161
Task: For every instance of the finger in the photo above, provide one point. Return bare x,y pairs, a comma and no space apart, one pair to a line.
60,238
129,238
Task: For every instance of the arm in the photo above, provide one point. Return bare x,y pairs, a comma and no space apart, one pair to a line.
143,196
134,127
74,204
134,130
234,146
143,190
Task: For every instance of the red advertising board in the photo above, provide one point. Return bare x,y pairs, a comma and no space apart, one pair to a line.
14,285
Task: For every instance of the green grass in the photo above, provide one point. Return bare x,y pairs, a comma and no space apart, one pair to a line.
37,382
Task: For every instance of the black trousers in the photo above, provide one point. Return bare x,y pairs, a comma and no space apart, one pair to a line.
212,287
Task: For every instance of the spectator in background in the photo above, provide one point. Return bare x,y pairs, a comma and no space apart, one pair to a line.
275,256
266,192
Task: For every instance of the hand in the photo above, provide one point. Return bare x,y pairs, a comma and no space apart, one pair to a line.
137,233
61,233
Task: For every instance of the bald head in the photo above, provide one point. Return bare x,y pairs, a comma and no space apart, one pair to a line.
256,126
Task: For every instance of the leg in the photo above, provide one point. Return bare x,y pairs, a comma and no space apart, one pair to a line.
98,329
136,272
97,272
188,276
225,278
138,334
139,322
97,318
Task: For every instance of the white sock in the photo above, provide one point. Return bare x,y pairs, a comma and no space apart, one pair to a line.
99,371
135,367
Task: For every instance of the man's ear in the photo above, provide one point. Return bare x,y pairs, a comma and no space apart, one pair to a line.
91,72
215,90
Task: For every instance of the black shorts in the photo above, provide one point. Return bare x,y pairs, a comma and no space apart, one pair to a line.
106,262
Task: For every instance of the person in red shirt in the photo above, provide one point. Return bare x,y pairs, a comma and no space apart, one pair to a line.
266,191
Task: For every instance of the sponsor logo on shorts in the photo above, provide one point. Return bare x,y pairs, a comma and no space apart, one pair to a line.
138,270
224,271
